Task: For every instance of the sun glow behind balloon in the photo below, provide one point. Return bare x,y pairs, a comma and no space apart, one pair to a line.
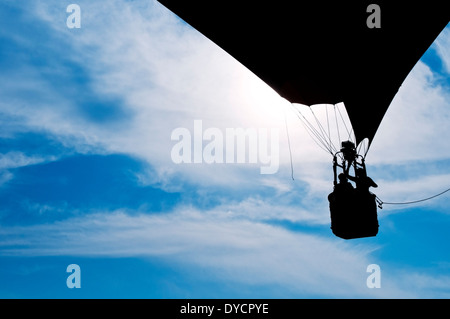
265,105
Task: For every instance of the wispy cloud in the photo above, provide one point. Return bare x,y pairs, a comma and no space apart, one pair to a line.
241,251
167,75
416,125
149,73
16,159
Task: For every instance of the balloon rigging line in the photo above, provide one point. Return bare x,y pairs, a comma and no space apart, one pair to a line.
345,125
312,131
337,125
330,146
321,135
289,145
328,126
411,202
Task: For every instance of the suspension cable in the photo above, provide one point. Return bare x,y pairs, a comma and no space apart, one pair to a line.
309,129
312,131
289,144
380,202
328,126
345,125
337,125
324,133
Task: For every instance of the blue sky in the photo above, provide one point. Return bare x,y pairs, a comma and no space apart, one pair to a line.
87,178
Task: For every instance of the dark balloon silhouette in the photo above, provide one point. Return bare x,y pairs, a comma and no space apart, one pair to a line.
314,52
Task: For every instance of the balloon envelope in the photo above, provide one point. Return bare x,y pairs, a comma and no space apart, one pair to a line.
326,51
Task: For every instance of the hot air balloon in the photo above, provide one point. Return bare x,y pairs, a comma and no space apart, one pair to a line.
327,52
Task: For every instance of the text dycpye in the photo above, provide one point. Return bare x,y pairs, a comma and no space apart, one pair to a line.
246,308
